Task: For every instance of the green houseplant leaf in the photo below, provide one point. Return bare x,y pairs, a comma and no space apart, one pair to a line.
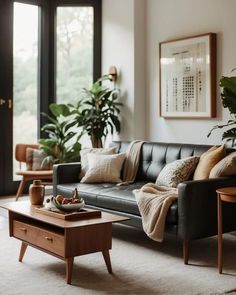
62,144
98,111
228,97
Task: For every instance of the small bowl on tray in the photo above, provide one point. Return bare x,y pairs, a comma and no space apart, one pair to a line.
68,207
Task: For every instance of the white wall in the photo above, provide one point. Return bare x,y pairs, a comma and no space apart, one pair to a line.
123,31
170,19
132,30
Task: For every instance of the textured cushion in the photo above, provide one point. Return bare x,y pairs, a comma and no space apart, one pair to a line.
225,167
103,168
84,160
207,161
178,171
155,156
34,160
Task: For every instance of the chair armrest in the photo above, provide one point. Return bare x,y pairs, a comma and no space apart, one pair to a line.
197,208
66,173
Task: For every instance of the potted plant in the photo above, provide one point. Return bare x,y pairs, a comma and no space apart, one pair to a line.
62,144
228,96
98,111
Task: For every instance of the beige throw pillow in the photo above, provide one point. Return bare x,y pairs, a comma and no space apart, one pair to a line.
35,160
226,167
207,161
176,172
84,160
103,168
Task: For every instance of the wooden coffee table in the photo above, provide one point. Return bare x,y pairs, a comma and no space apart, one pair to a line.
61,238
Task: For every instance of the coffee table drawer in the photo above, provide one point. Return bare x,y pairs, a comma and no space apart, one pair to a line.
37,236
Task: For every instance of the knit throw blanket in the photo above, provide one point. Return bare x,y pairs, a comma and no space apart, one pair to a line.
153,202
131,163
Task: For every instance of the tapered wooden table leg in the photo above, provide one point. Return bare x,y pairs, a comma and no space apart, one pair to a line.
22,251
69,268
226,194
219,233
107,259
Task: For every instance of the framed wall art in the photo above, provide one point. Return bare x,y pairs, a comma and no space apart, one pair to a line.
188,77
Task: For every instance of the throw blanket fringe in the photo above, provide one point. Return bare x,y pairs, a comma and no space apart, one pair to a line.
153,202
131,163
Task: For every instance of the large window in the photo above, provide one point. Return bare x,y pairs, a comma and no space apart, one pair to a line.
25,74
50,50
74,52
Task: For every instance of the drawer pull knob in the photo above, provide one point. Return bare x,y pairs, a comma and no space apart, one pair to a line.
49,239
23,229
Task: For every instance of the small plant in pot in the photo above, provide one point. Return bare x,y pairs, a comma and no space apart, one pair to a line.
98,111
62,144
228,96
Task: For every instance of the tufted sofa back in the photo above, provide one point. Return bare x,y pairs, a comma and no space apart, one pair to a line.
155,155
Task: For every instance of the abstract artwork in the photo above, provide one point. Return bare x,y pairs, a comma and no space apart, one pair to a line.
188,77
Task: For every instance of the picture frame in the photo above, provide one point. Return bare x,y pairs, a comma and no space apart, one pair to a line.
188,77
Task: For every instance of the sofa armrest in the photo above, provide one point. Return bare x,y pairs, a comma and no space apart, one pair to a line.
65,173
197,208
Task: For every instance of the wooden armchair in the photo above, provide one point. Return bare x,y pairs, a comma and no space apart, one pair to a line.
28,175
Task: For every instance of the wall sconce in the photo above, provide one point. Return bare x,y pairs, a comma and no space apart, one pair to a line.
113,73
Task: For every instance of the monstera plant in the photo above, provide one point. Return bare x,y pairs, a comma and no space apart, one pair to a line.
228,96
62,143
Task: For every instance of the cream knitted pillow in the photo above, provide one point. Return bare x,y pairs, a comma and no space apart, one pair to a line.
84,160
226,167
103,168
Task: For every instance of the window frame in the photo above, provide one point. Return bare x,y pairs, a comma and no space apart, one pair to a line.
47,68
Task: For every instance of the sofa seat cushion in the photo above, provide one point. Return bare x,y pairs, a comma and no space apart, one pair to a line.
120,198
112,197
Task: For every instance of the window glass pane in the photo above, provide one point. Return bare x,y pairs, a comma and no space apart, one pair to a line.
74,52
25,80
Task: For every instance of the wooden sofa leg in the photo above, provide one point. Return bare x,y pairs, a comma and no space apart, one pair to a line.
186,251
20,188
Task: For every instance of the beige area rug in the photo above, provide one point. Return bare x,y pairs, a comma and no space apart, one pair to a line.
140,266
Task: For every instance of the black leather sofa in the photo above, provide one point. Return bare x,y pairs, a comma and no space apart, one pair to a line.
192,216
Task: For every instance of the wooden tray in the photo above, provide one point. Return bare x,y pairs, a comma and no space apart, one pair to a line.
82,214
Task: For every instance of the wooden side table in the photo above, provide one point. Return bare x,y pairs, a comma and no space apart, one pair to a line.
227,194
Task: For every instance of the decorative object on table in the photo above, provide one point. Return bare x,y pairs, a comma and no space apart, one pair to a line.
75,203
36,192
49,205
98,111
62,144
188,77
228,97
